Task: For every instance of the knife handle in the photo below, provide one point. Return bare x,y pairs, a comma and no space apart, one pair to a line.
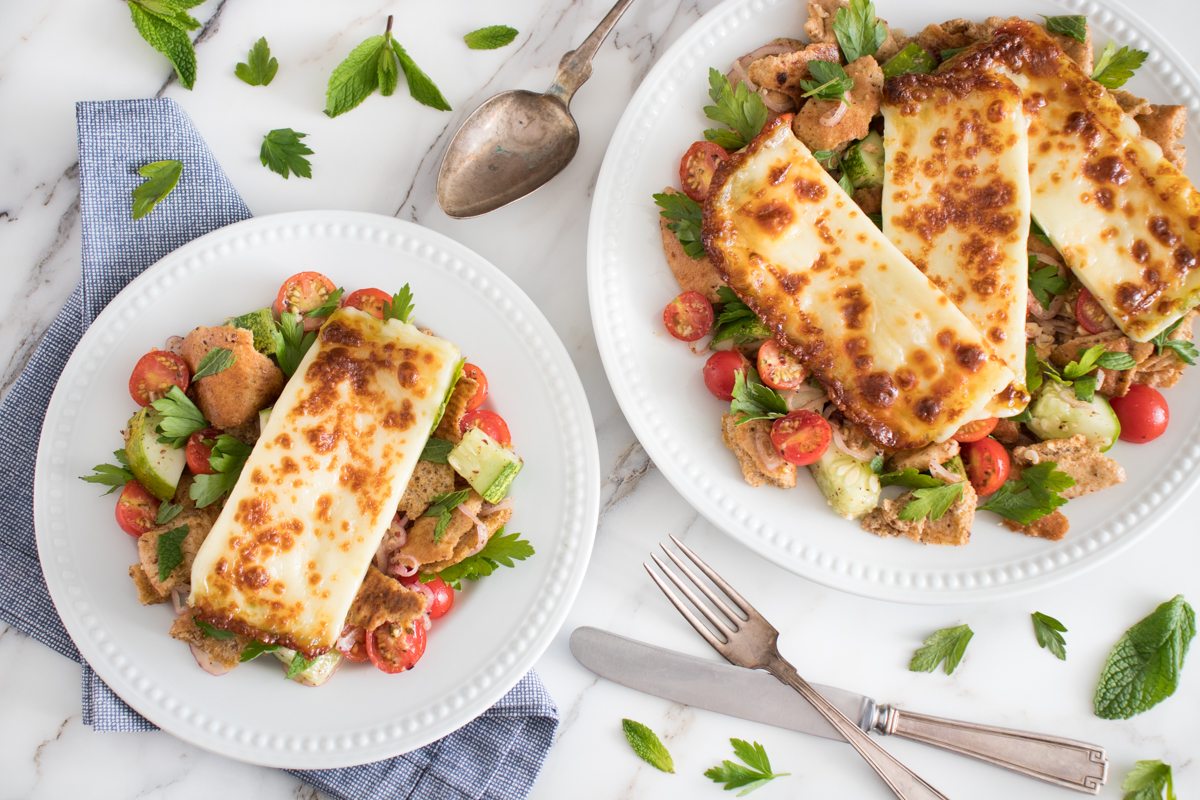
1062,762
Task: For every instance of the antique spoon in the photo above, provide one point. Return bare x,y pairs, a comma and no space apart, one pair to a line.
518,140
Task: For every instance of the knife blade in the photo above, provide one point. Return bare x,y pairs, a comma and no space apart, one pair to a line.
714,686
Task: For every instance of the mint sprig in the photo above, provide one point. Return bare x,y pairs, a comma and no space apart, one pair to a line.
164,24
442,506
1143,668
371,66
1073,25
216,360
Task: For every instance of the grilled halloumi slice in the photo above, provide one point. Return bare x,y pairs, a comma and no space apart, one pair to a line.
956,201
888,346
297,534
1126,220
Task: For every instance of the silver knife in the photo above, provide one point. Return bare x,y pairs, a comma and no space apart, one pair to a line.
759,696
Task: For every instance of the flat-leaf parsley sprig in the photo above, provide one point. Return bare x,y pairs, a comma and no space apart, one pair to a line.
830,82
260,66
161,178
742,110
755,775
1049,633
686,218
284,153
371,66
947,645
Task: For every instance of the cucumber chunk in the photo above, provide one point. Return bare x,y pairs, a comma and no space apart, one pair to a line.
485,464
320,670
863,162
156,465
264,414
262,324
850,485
1057,414
913,58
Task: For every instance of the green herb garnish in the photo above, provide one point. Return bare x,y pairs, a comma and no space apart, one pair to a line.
371,66
291,342
1032,497
216,360
1182,347
647,745
931,502
752,399
1143,668
948,644
1045,281
442,506
164,24
283,152
830,81
909,477
228,457
436,450
254,650
1147,781
115,477
298,665
1073,25
401,307
161,177
858,32
1114,66
686,220
1049,633
260,66
756,774
491,37
329,306
742,110
215,633
167,512
501,550
180,418
170,551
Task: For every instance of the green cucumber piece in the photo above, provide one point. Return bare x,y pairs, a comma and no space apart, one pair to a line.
912,58
157,465
850,485
264,414
863,162
262,324
318,671
1057,413
485,464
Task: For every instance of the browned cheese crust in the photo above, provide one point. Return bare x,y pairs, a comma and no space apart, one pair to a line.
234,396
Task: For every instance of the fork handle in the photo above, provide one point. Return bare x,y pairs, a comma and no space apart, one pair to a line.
905,783
1062,762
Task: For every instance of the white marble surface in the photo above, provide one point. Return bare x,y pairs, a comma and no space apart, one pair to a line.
383,158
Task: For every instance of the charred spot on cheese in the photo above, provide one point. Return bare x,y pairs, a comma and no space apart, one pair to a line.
843,299
283,566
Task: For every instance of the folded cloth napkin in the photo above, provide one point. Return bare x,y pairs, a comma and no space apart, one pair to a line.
494,757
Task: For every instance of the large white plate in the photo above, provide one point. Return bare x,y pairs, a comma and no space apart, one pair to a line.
658,382
498,628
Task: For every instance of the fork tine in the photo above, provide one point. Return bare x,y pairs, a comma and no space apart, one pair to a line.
700,627
700,605
709,593
721,583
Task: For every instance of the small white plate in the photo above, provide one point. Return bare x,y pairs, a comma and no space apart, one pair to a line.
498,627
658,383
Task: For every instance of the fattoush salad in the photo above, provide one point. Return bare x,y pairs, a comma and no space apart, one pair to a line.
960,262
314,479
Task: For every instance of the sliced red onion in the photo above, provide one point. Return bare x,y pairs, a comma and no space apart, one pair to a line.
737,71
805,396
768,456
351,635
207,663
403,566
179,599
700,346
840,442
938,471
175,345
426,621
737,74
491,508
777,102
834,115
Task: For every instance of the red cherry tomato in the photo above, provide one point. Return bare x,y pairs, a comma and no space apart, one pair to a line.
154,375
491,423
137,509
442,599
719,372
1089,313
392,650
778,368
688,317
698,166
801,437
476,374
1143,413
303,292
371,301
353,643
987,464
974,431
198,453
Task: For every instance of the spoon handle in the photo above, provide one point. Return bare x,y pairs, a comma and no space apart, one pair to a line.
576,66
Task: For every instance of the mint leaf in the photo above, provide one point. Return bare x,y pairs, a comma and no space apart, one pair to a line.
877,465
740,109
1085,364
215,633
1147,781
164,24
931,502
442,506
254,650
216,360
1045,281
260,67
748,778
436,450
1114,66
501,550
491,37
161,177
1143,668
401,307
170,551
283,152
1186,351
1117,361
298,665
228,457
180,418
647,745
910,478
858,32
752,399
1032,497
109,475
1073,25
1049,633
357,76
687,218
829,82
167,512
948,644
291,342
420,86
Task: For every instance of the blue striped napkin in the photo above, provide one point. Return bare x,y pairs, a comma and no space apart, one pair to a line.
495,757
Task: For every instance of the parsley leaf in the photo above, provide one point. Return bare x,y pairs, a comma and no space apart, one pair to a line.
647,746
298,665
329,306
754,776
948,644
167,512
830,81
1117,361
436,450
215,633
1114,66
1143,668
946,55
736,321
291,342
858,32
686,216
401,307
109,475
1085,364
284,153
216,360
500,550
1073,25
1045,281
442,506
170,551
910,478
260,67
1036,232
1032,497
161,177
1183,348
932,502
491,37
752,399
256,649
228,457
1049,633
164,24
371,66
742,110
180,418
1147,780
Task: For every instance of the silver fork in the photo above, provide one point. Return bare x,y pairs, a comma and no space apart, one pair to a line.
751,642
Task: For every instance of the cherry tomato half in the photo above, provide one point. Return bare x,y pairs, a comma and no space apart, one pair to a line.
476,374
492,424
392,650
371,301
137,509
778,368
1143,413
303,292
353,643
698,166
154,375
442,594
1089,313
801,437
974,431
987,464
688,317
198,453
719,372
